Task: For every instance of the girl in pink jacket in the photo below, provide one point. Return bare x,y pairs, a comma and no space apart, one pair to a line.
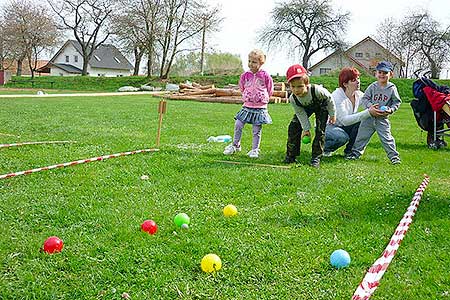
256,86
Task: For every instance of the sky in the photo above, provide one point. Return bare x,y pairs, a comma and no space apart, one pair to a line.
243,19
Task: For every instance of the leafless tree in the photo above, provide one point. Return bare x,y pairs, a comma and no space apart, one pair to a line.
136,26
28,30
432,40
127,30
182,23
88,20
210,19
390,34
418,40
308,26
4,52
162,29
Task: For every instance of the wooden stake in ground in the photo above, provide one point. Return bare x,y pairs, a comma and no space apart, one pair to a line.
161,110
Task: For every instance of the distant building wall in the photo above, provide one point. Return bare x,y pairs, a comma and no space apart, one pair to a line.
334,63
70,56
108,72
54,71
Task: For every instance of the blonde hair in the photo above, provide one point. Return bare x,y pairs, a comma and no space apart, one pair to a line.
259,54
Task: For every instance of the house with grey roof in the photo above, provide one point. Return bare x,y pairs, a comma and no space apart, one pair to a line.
364,56
106,60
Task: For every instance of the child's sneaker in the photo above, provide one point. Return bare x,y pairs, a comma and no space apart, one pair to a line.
231,149
315,162
253,153
289,160
351,156
396,160
327,153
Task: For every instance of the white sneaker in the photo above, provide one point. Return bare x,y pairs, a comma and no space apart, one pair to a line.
327,154
231,149
253,153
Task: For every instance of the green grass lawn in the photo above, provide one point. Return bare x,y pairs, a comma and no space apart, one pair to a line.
277,247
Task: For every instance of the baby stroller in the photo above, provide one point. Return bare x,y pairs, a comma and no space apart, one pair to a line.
431,109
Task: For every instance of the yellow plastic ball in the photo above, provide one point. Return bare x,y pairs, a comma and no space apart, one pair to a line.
230,210
211,263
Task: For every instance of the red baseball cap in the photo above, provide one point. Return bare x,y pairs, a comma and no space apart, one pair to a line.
295,71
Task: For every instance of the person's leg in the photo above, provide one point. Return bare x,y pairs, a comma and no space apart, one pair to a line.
293,141
236,145
352,132
319,136
365,132
335,137
383,128
238,127
257,131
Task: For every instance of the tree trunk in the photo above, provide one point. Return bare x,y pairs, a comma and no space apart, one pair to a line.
202,56
434,69
85,66
137,61
19,67
150,61
305,60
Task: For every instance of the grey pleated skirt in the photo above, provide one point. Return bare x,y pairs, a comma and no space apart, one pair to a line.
257,116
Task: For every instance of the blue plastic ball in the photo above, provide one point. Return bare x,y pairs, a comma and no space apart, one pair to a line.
383,108
340,259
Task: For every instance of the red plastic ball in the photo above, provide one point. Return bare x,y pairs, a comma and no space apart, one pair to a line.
53,244
149,226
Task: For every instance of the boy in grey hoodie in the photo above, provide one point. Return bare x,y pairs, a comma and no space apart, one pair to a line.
384,94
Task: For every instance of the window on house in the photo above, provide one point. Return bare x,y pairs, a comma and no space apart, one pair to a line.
359,54
97,58
377,54
67,58
75,58
367,54
116,59
324,71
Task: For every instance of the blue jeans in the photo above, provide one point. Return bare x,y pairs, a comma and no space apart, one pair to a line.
336,137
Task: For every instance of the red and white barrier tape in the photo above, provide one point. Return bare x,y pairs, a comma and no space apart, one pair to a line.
35,143
77,162
372,279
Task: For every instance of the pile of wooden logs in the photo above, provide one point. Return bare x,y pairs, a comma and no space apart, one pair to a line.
229,94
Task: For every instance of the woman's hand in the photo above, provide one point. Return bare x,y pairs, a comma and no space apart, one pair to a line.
306,133
375,112
332,119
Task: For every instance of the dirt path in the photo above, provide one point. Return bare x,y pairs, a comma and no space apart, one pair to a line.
79,94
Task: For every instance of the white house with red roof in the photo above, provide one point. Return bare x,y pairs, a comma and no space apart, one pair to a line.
364,56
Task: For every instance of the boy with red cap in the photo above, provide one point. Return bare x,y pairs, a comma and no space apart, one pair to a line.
307,99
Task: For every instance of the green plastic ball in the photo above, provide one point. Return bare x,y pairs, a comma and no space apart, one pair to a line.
181,219
306,139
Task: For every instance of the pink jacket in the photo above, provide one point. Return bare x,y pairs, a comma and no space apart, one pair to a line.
256,89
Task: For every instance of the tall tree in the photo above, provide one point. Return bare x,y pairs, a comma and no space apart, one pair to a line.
127,30
182,23
88,20
210,18
28,30
4,52
308,26
136,25
419,40
431,38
